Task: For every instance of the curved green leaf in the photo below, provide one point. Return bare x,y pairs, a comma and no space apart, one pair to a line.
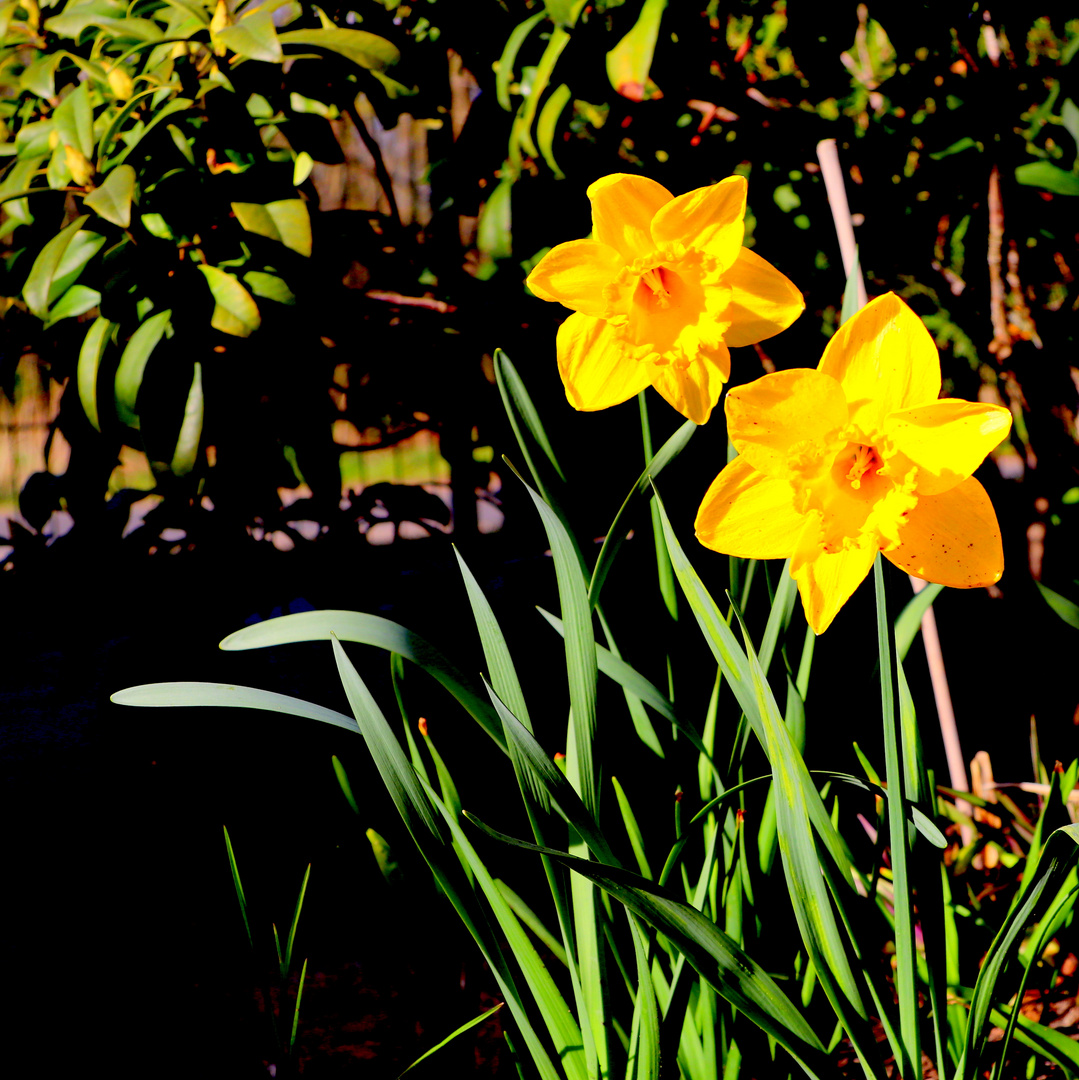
187,442
371,630
254,36
93,348
78,300
133,363
112,200
234,311
74,119
504,72
269,287
286,221
58,265
628,63
227,696
367,50
1044,174
545,126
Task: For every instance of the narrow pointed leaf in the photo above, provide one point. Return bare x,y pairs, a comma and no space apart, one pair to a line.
467,1026
286,221
132,365
234,311
371,630
90,353
112,200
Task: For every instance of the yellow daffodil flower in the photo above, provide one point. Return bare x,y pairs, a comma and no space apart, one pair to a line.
855,457
660,293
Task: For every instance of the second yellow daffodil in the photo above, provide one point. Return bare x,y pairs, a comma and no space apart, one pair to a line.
660,293
855,457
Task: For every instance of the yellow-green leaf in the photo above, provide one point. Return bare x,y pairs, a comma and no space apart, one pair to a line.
112,200
628,63
93,348
235,312
55,267
74,118
40,77
254,36
78,300
133,363
286,221
368,50
187,442
269,286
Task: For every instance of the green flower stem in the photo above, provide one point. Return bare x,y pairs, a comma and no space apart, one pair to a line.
906,954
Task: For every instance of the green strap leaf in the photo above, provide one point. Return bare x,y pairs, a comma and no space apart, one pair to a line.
910,618
234,311
228,696
718,959
504,71
371,630
1044,174
556,101
112,200
467,1026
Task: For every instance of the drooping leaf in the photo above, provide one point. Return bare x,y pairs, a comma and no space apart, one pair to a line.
494,232
74,118
77,17
40,76
286,221
504,72
133,363
1044,174
58,265
187,442
371,630
78,300
253,36
93,348
234,311
629,62
269,287
367,50
545,126
224,695
112,200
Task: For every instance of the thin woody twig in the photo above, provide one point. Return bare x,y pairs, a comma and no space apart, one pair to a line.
828,156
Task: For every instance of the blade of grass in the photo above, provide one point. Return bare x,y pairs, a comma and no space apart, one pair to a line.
533,922
296,1010
239,888
287,962
467,1026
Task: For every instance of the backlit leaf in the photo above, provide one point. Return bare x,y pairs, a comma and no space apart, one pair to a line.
286,221
133,363
368,50
234,311
112,200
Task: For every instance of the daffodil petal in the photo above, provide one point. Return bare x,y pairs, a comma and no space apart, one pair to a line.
694,390
575,273
748,514
622,210
595,369
766,418
826,581
947,439
708,218
763,300
952,538
885,359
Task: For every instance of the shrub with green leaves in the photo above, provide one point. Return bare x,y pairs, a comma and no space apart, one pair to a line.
158,174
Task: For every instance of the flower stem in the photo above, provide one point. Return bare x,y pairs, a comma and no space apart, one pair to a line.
905,949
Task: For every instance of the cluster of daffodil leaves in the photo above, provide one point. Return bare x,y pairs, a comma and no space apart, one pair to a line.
834,464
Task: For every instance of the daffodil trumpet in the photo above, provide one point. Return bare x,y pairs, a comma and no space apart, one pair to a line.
660,294
856,456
